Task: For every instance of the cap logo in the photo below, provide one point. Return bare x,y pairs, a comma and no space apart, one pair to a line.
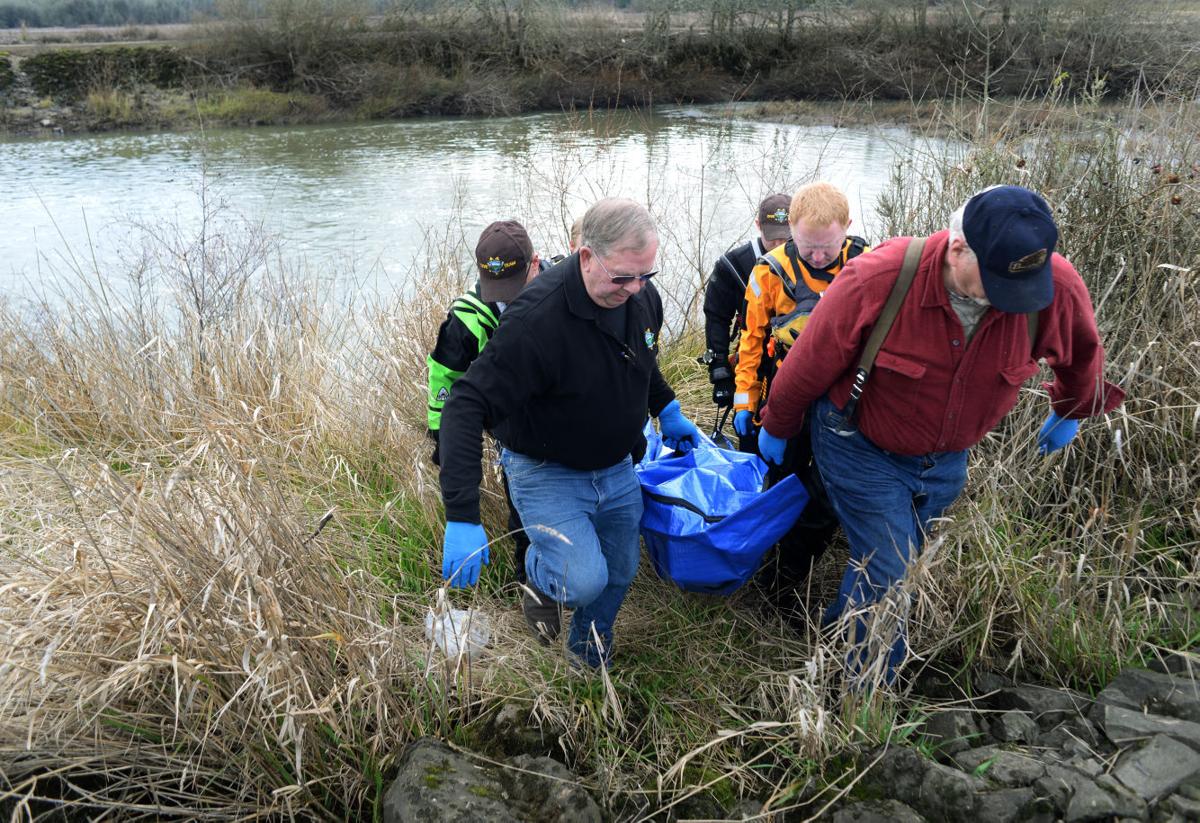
1031,261
778,216
495,266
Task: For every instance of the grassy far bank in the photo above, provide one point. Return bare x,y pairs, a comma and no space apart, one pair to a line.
303,61
179,630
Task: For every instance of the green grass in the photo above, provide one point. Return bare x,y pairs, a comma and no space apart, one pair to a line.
112,105
258,106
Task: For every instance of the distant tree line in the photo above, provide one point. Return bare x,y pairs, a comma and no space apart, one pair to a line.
37,13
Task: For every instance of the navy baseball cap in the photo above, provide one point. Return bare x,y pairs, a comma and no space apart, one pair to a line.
1013,235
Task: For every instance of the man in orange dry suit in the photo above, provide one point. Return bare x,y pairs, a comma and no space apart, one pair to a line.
725,300
783,290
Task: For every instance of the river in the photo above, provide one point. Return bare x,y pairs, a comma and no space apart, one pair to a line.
378,206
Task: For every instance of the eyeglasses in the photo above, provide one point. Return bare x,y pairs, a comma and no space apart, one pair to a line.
622,279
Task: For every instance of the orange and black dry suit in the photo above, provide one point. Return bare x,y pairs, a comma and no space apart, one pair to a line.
782,292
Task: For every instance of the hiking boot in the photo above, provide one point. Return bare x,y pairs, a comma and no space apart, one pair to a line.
543,615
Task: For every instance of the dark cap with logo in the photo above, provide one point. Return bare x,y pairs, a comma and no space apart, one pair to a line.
1013,235
503,254
773,217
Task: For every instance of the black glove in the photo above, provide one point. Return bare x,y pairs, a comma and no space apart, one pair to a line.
721,377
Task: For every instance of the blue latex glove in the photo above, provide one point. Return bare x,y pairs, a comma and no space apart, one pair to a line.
464,552
771,447
1056,433
743,423
678,432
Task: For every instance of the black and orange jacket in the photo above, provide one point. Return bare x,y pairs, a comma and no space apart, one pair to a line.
782,287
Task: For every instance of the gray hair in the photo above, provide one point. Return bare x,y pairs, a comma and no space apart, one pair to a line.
956,219
616,224
956,227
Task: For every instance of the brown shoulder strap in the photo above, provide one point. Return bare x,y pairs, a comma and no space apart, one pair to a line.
908,270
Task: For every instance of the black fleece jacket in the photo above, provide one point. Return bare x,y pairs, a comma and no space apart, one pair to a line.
562,380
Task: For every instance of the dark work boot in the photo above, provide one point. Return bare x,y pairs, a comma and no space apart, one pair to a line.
542,613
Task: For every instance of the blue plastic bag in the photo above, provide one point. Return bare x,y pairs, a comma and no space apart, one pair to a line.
707,523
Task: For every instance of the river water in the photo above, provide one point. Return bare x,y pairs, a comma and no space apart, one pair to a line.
379,206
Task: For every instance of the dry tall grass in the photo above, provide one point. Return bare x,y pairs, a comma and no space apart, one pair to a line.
220,537
219,534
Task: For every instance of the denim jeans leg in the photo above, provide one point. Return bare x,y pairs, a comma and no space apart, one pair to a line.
617,518
941,477
884,502
516,530
583,548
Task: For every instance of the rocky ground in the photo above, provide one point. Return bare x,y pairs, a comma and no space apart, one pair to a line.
1017,753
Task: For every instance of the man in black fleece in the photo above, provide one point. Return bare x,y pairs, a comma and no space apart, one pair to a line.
565,385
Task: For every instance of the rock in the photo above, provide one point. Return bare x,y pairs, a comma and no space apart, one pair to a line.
1158,768
935,791
1103,799
1129,805
437,784
1172,662
1059,785
515,734
951,732
1122,725
1076,731
1015,727
1040,810
936,685
1004,806
1154,692
1003,768
1047,706
1180,807
548,787
988,682
1077,750
876,811
948,794
1089,766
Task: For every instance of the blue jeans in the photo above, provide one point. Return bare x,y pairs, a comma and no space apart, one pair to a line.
885,502
583,540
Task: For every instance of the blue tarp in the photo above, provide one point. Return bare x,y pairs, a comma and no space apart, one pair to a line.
707,522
